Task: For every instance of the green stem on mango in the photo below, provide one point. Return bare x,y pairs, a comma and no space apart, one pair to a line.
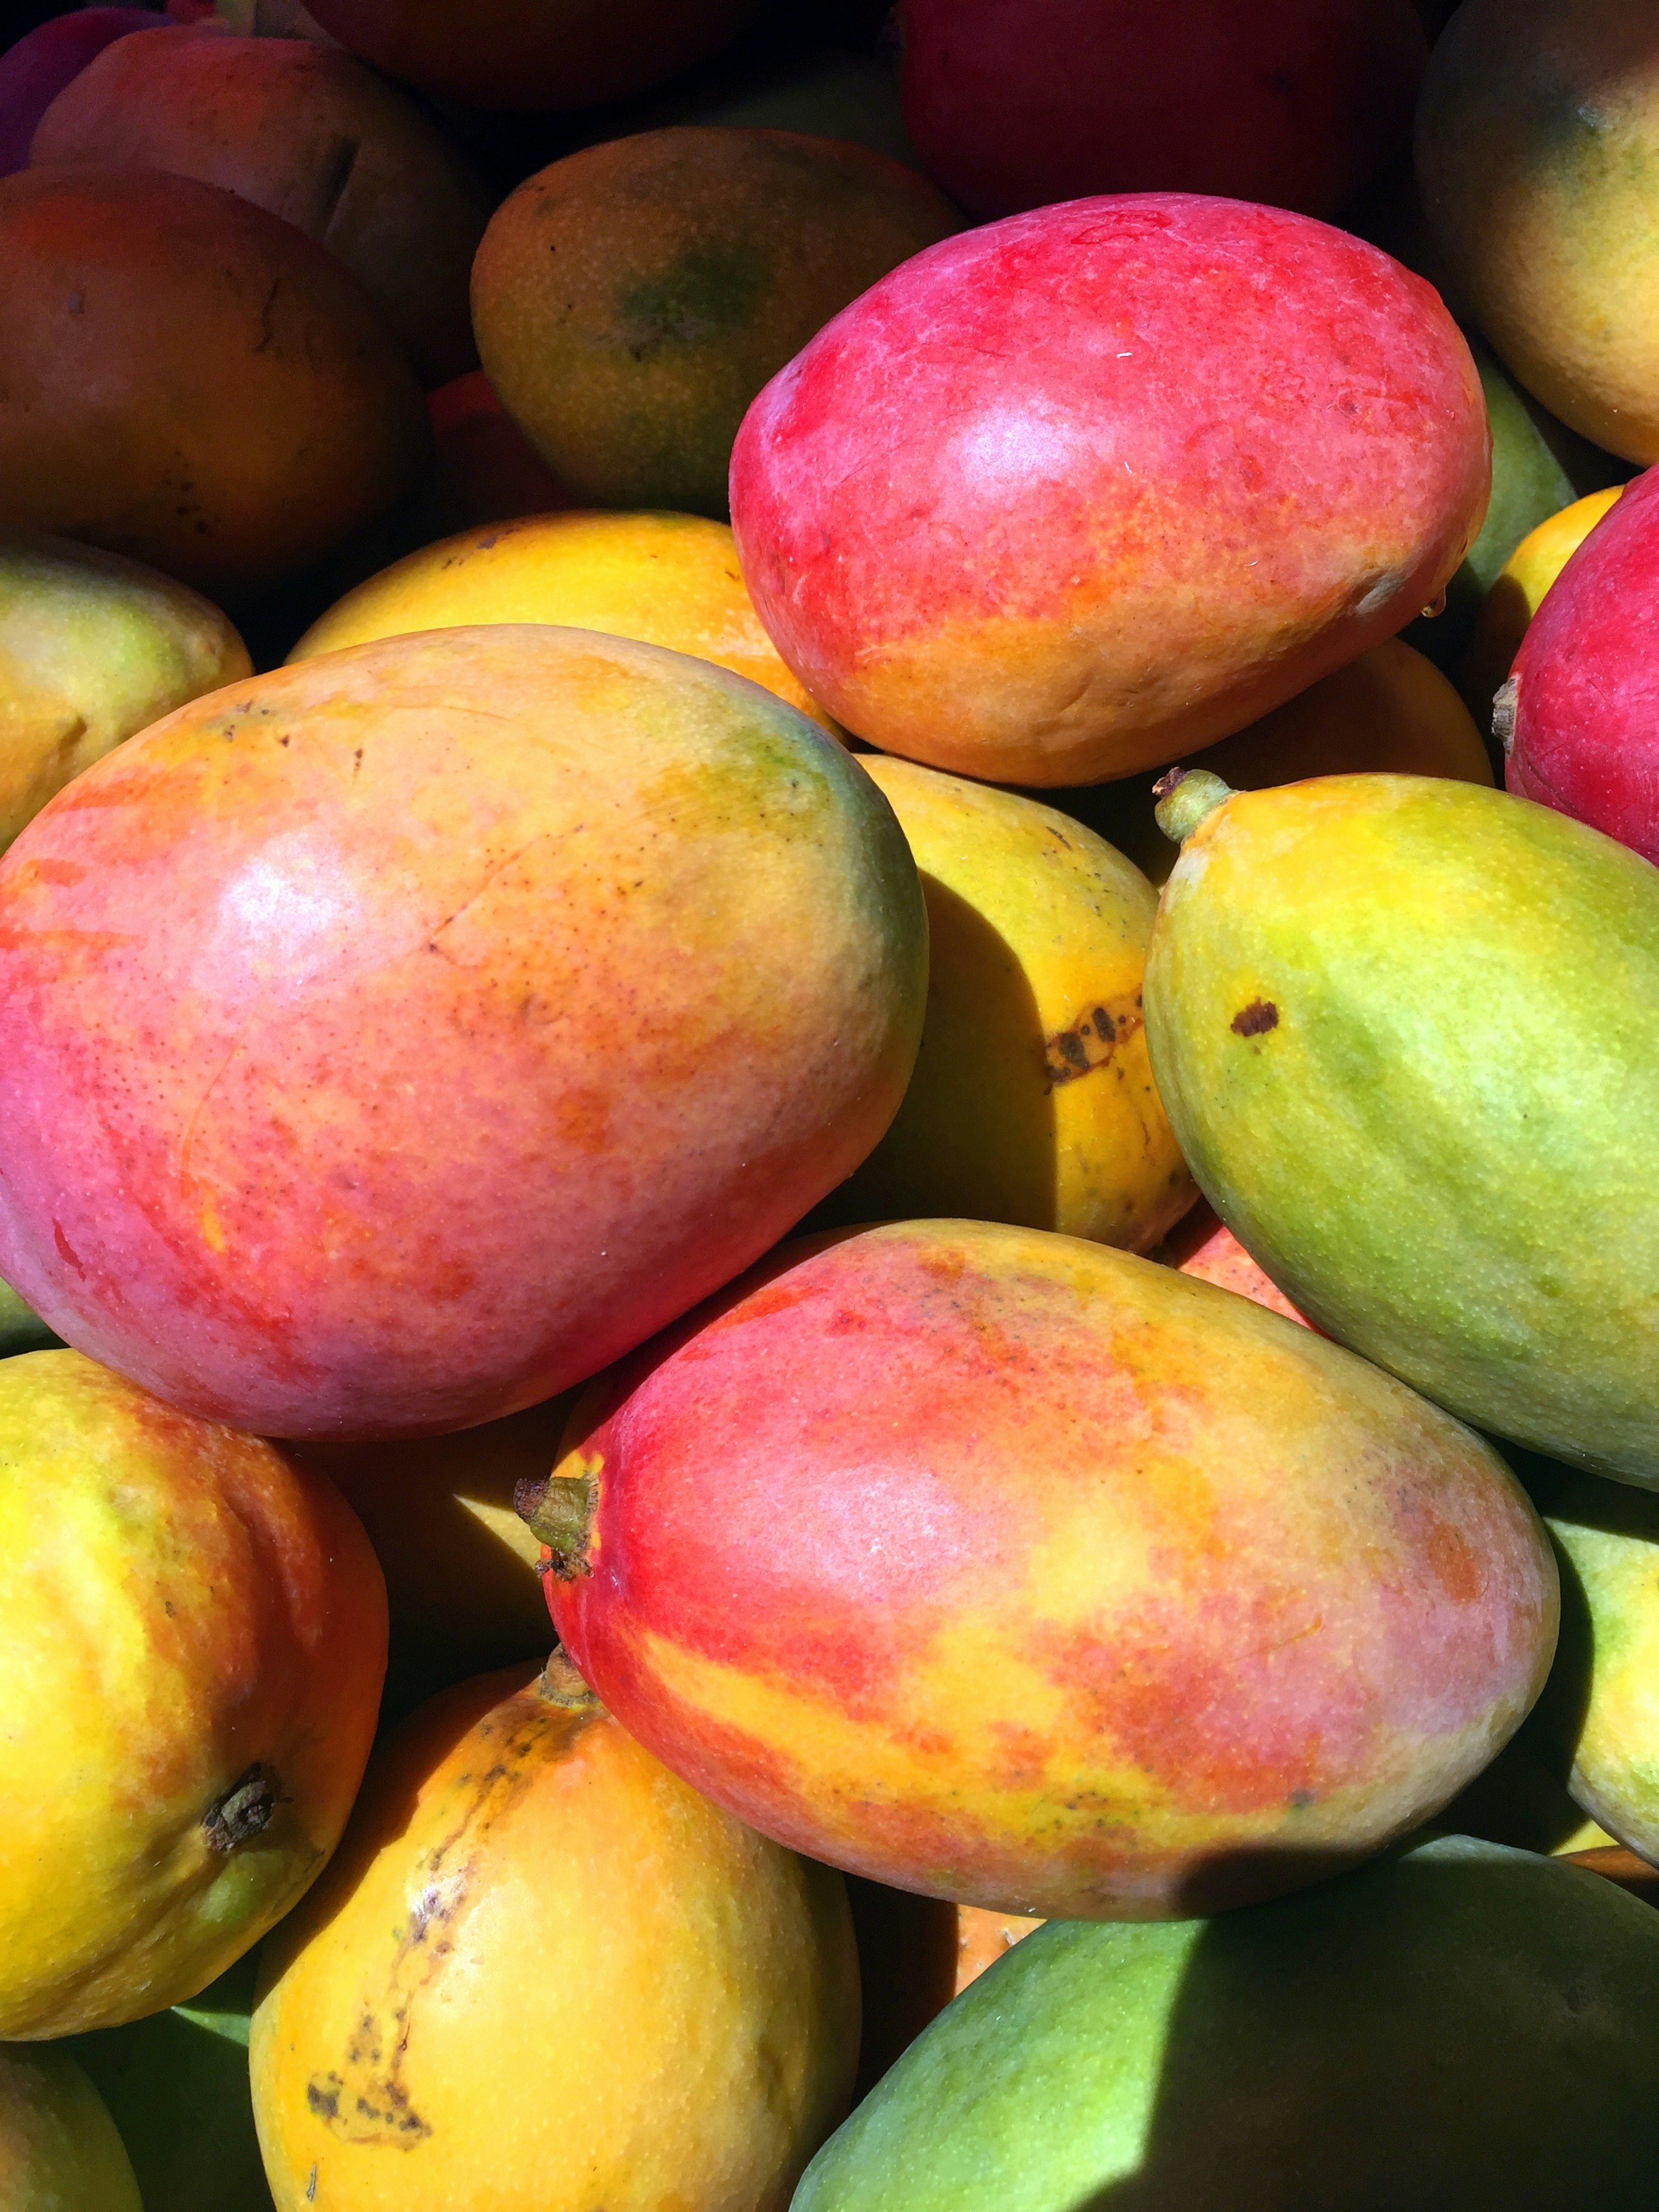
559,1509
1185,796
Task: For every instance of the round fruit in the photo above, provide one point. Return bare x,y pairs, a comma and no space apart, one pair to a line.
534,53
92,647
1296,102
632,299
313,137
186,380
543,1975
1074,492
195,1640
400,1035
1463,2026
35,69
58,2148
1069,1584
669,579
1536,138
1032,1101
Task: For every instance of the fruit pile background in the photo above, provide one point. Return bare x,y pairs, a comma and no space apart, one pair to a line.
828,1067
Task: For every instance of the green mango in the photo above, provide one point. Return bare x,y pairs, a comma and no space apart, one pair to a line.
1406,1033
1464,2028
21,1328
177,2085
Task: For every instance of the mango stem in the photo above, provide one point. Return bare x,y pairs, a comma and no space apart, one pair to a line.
1185,796
559,1510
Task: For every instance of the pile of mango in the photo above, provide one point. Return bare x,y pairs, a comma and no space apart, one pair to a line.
829,1039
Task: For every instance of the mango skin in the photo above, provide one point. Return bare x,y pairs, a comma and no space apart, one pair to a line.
543,1975
669,579
1071,1585
1518,589
92,649
1461,2029
1031,1101
1381,1000
60,2151
512,989
187,1614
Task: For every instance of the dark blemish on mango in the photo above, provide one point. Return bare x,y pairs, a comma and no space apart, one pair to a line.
1255,1019
66,1251
244,1811
1091,1042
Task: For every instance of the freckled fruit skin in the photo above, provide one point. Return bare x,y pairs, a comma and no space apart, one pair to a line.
630,300
195,1641
1296,102
669,579
542,1976
1069,1585
393,1039
1537,138
1462,2029
60,2151
1584,727
1407,1033
1032,1101
1072,492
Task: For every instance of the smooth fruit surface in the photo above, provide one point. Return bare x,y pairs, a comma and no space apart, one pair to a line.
1537,136
92,649
631,299
60,2151
195,1640
406,1032
669,579
186,380
989,529
34,69
1032,1101
1408,1035
1517,591
1465,2027
1070,1584
1580,717
521,1884
1295,102
310,134
1202,1246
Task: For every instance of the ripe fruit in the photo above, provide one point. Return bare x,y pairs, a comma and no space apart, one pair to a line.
543,1975
312,135
195,1639
186,380
669,579
1021,511
398,1036
58,2148
1506,2003
632,299
1031,1101
1407,1033
1069,1584
1577,715
1517,593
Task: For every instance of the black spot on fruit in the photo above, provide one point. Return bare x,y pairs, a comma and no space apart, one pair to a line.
1255,1019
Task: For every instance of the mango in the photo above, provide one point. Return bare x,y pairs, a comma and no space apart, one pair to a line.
60,2151
1070,1584
1464,2027
512,988
484,469
35,66
313,137
1406,1032
186,380
176,2085
1082,489
631,300
543,1975
669,579
1536,136
1031,1099
195,1640
92,647
21,1328
1204,1247
1517,593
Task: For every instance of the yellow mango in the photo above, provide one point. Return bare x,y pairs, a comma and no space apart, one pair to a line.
1518,590
1032,1101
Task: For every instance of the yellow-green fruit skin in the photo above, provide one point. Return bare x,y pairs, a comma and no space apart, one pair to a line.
93,647
1537,153
1032,1100
543,1975
195,1639
1406,1032
60,2151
